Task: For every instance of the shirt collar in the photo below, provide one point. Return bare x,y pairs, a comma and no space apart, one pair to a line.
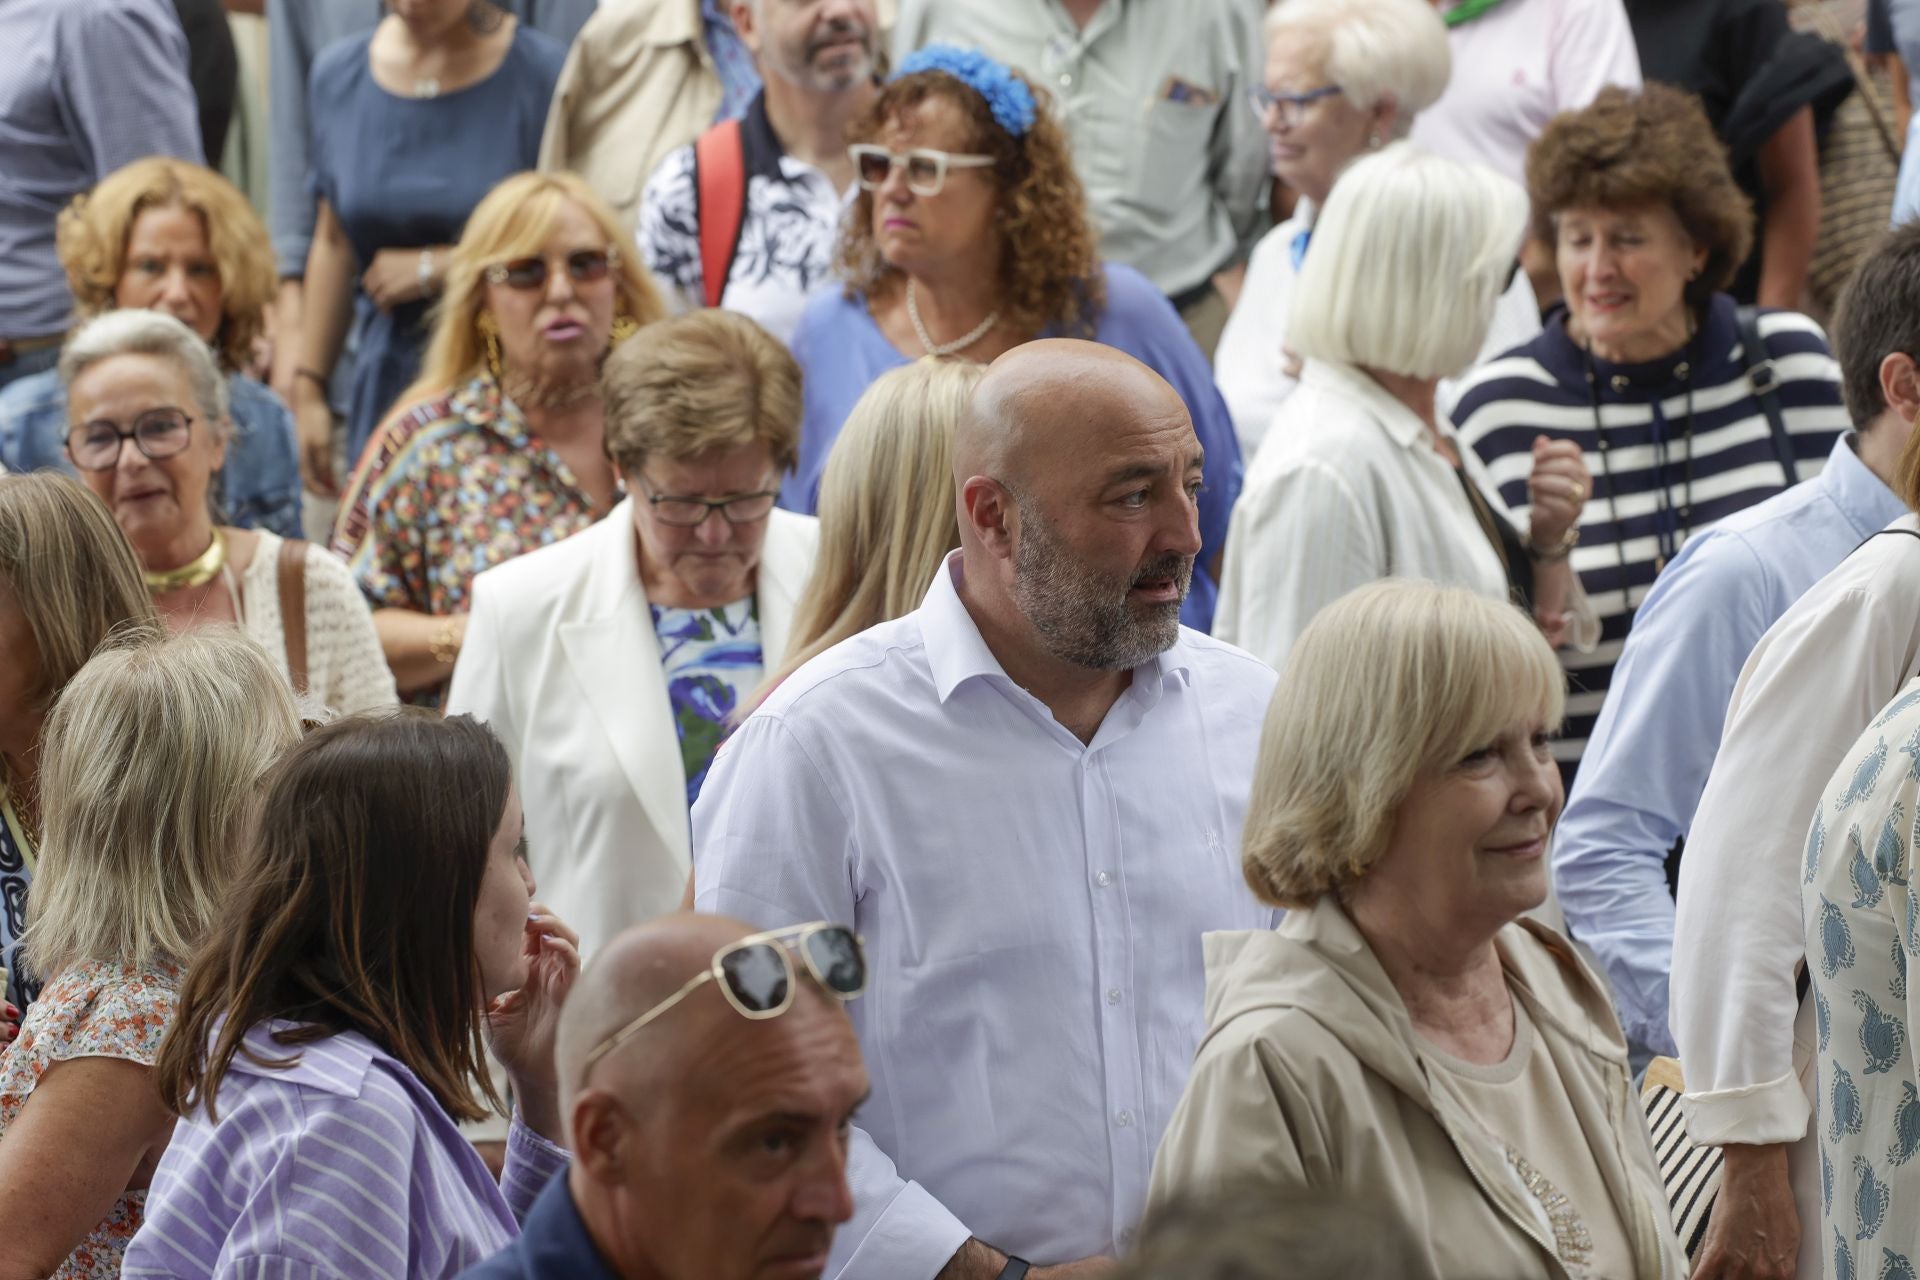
957,653
554,1240
759,144
1400,422
1863,497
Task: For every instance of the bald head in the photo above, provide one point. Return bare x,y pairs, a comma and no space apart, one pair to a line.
1045,405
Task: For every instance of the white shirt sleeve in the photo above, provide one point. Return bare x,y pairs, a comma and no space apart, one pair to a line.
774,845
1592,48
1297,542
1812,684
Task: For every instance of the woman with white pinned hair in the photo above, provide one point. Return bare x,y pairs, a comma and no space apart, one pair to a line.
1343,78
148,427
1362,479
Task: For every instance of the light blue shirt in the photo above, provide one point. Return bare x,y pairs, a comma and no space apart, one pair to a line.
1647,761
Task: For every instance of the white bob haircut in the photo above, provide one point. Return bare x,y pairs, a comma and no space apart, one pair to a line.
138,332
1373,49
1409,256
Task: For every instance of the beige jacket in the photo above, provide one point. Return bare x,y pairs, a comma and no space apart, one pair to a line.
638,83
1310,1078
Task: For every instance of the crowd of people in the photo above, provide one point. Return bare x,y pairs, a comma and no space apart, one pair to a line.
1009,640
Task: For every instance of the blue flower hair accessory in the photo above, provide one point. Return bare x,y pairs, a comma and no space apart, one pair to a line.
1010,101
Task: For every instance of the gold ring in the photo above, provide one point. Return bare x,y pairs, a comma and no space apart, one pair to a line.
1576,491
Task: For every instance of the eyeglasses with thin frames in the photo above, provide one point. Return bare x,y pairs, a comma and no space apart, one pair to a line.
157,434
926,168
585,266
1291,107
756,975
691,513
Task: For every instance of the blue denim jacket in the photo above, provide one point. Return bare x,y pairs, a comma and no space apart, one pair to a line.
259,488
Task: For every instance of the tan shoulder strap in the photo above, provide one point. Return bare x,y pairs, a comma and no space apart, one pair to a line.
292,568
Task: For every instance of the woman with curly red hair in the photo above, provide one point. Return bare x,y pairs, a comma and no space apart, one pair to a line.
970,236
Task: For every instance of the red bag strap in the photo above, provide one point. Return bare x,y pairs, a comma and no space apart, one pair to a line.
720,187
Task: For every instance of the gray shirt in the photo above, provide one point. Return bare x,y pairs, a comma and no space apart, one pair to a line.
1154,97
86,86
297,30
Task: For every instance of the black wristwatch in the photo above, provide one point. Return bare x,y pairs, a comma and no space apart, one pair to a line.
1016,1268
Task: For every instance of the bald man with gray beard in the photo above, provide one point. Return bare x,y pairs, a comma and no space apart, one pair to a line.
1027,796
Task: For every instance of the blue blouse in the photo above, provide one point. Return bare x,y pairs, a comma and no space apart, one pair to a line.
841,351
258,488
405,173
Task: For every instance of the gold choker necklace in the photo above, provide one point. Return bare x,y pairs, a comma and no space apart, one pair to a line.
197,572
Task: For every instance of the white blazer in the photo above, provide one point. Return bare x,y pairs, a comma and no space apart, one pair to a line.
561,659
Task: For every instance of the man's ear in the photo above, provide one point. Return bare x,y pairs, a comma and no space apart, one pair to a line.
1900,384
746,24
991,515
601,1131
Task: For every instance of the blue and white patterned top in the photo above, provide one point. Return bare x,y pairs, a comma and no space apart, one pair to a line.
16,873
732,61
1862,917
713,662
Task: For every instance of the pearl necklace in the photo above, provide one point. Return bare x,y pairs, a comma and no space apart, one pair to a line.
961,343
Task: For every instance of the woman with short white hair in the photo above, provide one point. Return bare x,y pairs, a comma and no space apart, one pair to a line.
139,857
149,428
1404,1039
1342,78
1362,479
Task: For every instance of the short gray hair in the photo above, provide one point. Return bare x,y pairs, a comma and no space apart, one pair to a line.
139,332
1410,254
139,852
1374,49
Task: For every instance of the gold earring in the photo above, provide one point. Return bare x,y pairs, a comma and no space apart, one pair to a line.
489,330
624,327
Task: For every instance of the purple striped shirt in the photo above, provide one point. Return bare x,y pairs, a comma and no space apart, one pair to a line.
340,1165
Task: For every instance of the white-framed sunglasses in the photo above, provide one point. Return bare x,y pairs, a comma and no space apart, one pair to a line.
926,168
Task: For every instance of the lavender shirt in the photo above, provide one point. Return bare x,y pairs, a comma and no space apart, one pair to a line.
340,1165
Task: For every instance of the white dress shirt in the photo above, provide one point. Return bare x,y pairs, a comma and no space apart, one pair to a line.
1348,490
1812,684
1032,908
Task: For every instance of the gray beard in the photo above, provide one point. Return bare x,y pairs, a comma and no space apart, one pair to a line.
1086,620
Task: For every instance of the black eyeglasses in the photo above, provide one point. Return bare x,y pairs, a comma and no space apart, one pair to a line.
157,433
584,265
691,513
756,976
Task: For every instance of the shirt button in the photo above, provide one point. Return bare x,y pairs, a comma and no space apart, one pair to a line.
1104,879
1124,1119
1066,80
1113,996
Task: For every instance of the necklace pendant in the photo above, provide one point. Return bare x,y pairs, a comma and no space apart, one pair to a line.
426,88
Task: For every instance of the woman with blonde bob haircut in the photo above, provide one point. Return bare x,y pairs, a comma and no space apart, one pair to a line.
167,235
140,855
885,522
1402,808
1361,478
499,447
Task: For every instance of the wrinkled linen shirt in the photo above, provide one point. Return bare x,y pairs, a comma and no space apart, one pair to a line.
1032,908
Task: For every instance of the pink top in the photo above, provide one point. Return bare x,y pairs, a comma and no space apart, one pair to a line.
92,1010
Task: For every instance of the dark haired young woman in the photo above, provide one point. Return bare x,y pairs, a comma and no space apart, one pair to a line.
328,1042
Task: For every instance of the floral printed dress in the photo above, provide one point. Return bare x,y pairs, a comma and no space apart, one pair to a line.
712,660
1862,928
92,1010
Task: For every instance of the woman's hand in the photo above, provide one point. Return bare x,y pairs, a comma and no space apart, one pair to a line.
1556,491
9,1024
521,1024
1754,1230
394,277
313,432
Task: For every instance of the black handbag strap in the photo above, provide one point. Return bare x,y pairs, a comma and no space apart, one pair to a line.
1765,385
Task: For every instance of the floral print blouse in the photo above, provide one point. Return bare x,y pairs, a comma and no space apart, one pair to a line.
1862,920
448,489
92,1010
713,661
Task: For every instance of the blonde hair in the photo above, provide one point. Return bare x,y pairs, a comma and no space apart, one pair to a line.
697,382
70,571
886,506
515,220
1409,256
149,762
94,228
1373,49
1390,681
